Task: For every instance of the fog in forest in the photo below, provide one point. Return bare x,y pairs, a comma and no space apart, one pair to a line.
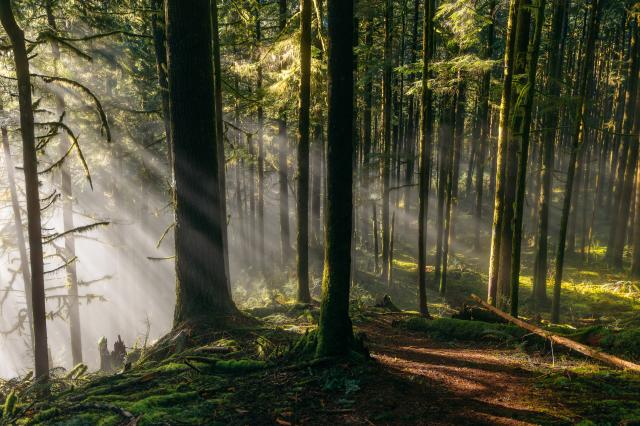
319,211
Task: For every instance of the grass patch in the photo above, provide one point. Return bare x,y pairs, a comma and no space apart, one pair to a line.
454,329
603,397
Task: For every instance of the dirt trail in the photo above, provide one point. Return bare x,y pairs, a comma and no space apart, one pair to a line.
422,381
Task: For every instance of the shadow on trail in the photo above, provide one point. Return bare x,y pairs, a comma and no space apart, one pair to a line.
419,381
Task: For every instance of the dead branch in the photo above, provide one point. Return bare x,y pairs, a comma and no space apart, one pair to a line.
578,347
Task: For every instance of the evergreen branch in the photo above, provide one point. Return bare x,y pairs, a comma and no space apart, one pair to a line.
87,91
79,229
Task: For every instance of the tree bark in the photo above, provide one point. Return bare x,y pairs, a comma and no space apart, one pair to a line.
201,279
16,36
160,50
549,125
217,74
626,188
335,333
303,151
578,138
502,149
283,166
260,113
525,135
426,134
387,124
513,130
485,130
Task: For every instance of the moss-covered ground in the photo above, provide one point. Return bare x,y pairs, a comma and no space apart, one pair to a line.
440,371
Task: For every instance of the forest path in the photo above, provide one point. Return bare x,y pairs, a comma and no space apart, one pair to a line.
423,381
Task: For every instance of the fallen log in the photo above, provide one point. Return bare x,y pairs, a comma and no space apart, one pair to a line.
578,347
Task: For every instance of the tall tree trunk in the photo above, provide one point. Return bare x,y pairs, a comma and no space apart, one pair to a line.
303,152
447,176
412,110
160,50
635,261
614,253
252,192
335,333
445,148
66,189
631,117
460,115
426,134
549,124
16,36
387,123
283,166
579,134
201,280
525,135
217,73
367,140
317,176
485,130
502,149
513,129
260,143
17,217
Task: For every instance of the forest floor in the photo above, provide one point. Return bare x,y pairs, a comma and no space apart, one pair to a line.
413,377
421,372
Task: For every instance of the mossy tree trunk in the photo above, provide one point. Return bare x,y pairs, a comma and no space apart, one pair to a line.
515,120
335,333
525,136
201,285
501,155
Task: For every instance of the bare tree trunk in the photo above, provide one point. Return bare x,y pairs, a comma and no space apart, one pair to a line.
17,217
69,252
202,290
628,146
387,119
426,134
217,73
549,124
303,152
335,333
283,166
485,130
585,76
159,44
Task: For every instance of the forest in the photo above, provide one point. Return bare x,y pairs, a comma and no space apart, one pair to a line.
312,212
